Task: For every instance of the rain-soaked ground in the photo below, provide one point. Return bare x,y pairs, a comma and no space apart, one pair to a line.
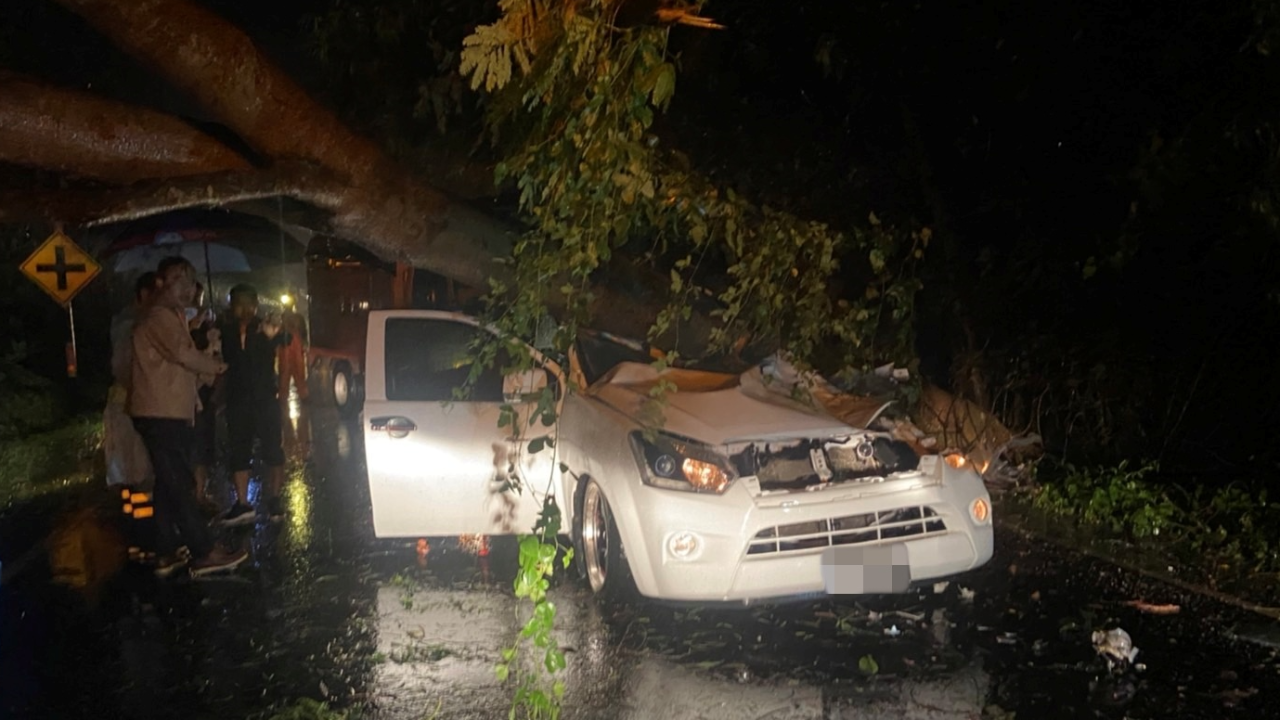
325,611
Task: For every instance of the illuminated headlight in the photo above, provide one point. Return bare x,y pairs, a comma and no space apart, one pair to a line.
674,463
683,545
956,460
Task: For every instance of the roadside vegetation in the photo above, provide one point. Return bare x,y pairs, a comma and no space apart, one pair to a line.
45,462
1218,535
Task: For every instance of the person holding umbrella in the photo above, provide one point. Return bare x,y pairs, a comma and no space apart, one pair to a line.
204,333
165,375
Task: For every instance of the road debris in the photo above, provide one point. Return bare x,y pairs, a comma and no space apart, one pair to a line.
1154,609
1116,647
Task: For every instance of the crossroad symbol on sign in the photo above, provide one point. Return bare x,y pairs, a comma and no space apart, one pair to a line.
60,267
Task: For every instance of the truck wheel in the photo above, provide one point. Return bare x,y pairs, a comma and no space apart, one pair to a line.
600,554
344,385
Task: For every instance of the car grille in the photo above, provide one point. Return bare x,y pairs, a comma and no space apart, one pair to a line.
864,529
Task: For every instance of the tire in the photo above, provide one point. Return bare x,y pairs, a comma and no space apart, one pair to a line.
601,560
345,389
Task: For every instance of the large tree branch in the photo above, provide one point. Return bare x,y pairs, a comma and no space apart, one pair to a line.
220,67
83,135
463,250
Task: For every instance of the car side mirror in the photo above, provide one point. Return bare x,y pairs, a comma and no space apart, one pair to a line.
516,387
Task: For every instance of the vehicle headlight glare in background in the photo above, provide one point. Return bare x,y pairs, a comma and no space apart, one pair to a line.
705,475
980,511
683,545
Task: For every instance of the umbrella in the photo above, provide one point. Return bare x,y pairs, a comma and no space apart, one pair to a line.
207,257
214,241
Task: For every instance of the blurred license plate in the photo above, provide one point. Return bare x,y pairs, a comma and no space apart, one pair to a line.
866,570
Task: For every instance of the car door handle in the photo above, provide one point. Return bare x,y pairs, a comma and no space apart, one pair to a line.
393,425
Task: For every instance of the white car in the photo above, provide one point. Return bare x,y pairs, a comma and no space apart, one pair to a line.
742,494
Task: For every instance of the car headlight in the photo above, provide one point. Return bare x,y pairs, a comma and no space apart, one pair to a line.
676,463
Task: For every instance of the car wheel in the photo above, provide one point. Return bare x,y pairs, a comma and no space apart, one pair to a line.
345,388
603,562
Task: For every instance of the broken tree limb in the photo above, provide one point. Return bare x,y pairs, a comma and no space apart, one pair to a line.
80,134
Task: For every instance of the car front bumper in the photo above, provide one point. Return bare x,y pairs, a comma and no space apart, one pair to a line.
722,529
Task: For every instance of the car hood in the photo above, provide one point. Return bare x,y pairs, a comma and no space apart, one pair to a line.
715,408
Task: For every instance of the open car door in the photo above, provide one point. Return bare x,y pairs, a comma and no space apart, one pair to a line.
437,465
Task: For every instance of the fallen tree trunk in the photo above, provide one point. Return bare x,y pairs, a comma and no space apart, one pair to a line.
219,66
83,135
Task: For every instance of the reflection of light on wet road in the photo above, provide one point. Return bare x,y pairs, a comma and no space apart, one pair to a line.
343,436
438,646
294,410
298,493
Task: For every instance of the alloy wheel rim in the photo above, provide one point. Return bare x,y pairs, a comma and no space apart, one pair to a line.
596,520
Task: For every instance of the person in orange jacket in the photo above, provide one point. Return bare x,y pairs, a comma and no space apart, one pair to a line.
291,357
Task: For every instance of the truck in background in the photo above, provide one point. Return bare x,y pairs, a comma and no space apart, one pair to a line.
344,283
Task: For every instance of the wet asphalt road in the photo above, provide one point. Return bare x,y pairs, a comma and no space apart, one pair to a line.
325,611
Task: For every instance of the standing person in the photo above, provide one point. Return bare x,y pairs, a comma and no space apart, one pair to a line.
205,335
252,407
292,354
165,375
127,462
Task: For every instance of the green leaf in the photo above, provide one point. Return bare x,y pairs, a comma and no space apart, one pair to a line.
876,259
868,665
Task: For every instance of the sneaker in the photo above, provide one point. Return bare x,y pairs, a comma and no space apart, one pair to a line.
169,564
275,508
239,514
217,561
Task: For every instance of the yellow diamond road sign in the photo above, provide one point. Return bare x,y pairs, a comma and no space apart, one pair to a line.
60,267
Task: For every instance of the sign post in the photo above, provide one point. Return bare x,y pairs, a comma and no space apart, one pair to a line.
62,270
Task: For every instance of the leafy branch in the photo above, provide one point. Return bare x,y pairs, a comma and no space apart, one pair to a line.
573,102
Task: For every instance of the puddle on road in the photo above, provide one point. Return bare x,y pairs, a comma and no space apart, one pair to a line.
326,613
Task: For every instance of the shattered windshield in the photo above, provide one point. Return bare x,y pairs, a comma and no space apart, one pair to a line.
599,352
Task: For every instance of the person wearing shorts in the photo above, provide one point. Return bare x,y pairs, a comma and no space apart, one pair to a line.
252,409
